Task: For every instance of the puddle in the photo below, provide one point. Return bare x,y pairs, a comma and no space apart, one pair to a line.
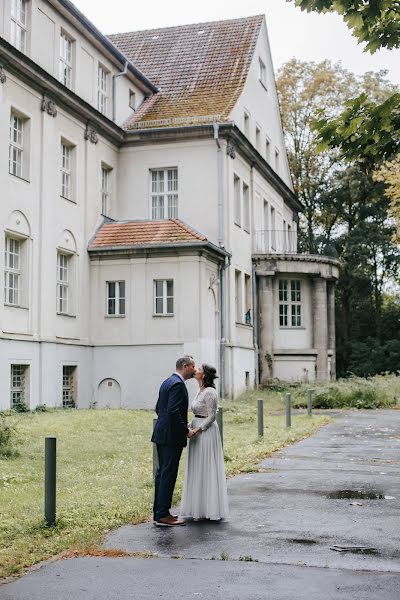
354,494
302,541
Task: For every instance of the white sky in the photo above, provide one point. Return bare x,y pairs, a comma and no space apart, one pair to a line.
292,32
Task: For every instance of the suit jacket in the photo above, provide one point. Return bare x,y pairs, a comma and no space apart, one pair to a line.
172,406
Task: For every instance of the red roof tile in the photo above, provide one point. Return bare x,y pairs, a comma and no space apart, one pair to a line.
199,69
144,233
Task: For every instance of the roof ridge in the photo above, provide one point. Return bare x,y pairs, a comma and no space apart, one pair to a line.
237,19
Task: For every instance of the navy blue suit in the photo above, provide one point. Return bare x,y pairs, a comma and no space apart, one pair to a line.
169,434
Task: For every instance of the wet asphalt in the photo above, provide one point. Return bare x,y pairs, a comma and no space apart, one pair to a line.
319,521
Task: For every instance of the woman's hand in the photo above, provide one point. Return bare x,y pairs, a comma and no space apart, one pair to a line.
197,430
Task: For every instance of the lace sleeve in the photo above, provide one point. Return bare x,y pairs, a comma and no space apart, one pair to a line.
210,398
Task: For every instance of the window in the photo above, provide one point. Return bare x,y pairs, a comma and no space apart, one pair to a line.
105,190
246,124
164,194
132,100
262,72
16,150
102,90
68,388
12,283
246,208
163,297
63,281
247,291
258,138
66,170
115,298
273,228
237,207
267,149
289,303
277,160
18,387
238,296
65,74
18,24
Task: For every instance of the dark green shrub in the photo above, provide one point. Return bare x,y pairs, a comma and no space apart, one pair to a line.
8,437
41,408
20,407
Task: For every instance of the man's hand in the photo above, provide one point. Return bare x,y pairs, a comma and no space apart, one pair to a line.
190,433
197,430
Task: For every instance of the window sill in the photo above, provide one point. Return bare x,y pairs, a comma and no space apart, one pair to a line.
69,199
114,316
247,325
60,314
164,315
19,177
292,327
16,306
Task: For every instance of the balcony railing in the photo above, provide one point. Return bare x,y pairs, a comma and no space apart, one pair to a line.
275,242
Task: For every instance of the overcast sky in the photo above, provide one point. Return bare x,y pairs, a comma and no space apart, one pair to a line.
292,32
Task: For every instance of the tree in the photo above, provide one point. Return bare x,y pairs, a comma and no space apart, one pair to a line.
366,130
304,89
389,173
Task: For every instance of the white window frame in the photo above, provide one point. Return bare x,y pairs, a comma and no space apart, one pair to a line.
164,193
262,72
106,174
16,148
119,299
277,160
12,271
248,299
290,304
237,200
18,24
18,384
102,89
268,149
69,386
63,283
246,124
238,296
66,169
167,300
66,59
258,137
132,100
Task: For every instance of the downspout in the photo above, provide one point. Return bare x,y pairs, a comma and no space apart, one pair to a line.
224,265
254,288
114,77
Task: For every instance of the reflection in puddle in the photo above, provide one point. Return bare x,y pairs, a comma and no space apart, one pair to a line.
353,494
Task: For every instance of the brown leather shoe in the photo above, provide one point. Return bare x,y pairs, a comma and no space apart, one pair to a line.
169,521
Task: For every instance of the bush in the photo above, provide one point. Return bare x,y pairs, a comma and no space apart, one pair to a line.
354,392
20,407
41,408
7,437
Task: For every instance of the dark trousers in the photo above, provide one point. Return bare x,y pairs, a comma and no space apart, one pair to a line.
168,464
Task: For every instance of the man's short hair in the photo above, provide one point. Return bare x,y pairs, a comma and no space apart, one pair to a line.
183,361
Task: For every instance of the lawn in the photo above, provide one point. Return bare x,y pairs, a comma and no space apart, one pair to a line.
104,473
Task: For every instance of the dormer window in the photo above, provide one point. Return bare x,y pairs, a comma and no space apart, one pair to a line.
65,75
18,24
132,100
262,72
102,90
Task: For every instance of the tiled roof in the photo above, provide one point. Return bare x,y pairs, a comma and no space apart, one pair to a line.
199,69
144,233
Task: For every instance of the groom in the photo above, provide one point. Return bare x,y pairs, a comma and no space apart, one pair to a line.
170,433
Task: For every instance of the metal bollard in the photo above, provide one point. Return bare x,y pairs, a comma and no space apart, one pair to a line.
220,423
288,399
310,394
155,454
260,418
50,468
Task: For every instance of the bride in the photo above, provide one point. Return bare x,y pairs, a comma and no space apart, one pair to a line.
204,494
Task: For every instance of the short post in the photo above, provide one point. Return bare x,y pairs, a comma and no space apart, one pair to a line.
310,394
260,418
155,455
50,468
288,411
220,423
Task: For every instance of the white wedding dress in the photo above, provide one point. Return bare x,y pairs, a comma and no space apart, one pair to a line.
204,494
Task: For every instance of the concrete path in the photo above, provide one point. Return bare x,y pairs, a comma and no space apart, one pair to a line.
338,489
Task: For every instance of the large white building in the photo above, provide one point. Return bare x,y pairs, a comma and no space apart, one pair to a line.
147,211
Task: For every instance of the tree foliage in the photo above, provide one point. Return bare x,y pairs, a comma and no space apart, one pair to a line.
365,131
376,22
389,173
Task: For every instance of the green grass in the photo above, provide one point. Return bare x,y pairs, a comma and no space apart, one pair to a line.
104,473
